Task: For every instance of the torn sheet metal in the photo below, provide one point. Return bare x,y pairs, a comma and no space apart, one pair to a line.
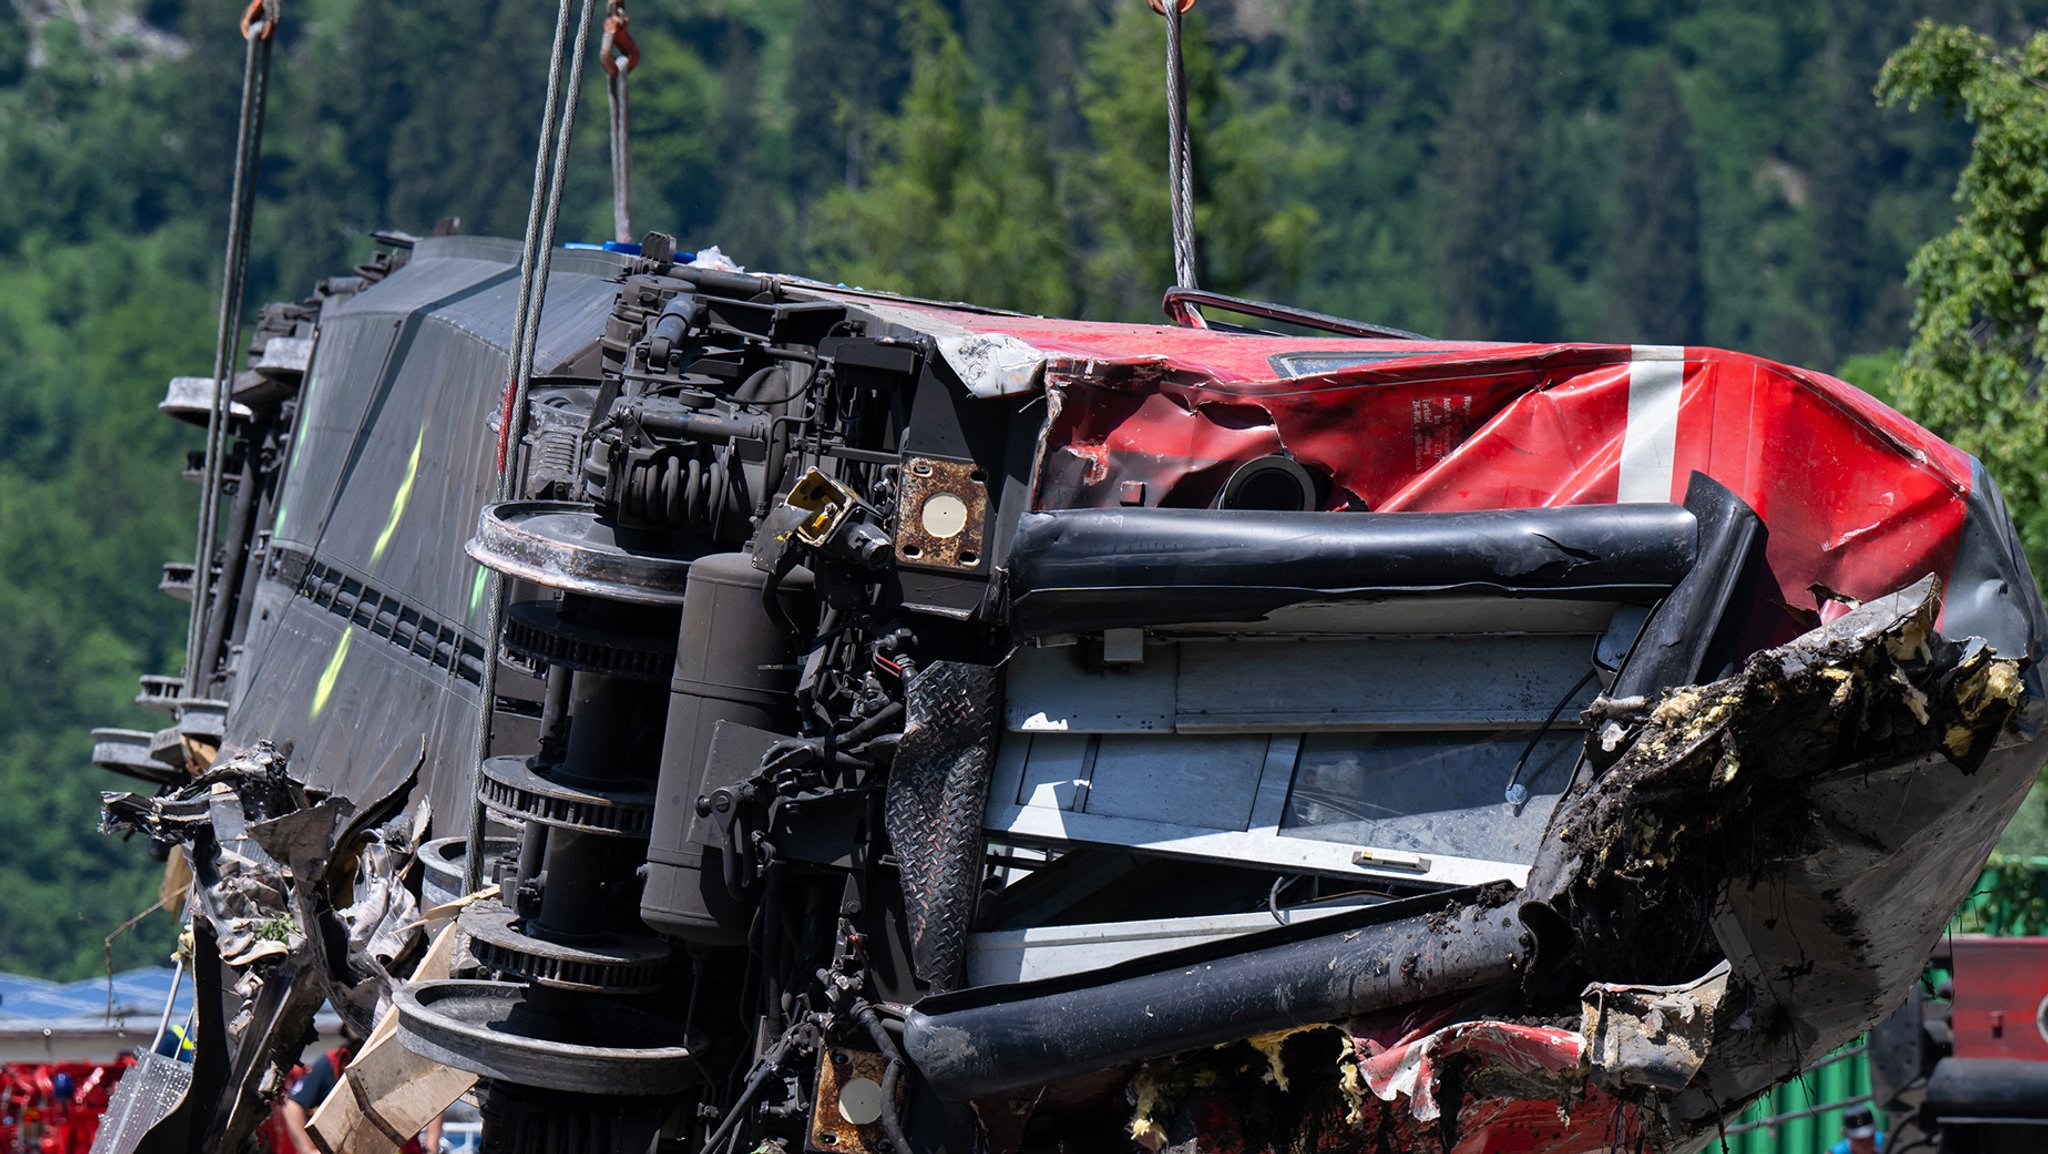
1475,1087
384,921
256,824
1535,1061
1813,819
1517,427
262,846
250,908
1651,1036
243,891
992,364
989,362
1856,498
1492,1087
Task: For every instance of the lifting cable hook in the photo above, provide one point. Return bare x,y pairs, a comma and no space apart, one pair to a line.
260,20
619,53
203,631
1180,190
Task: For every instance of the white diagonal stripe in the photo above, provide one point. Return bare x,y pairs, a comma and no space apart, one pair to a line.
1650,443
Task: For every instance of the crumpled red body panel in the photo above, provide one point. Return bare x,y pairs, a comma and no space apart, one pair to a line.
1457,1074
1858,500
1471,1087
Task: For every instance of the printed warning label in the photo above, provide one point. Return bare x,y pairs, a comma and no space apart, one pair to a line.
1440,423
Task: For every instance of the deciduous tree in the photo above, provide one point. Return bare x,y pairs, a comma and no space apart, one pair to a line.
1978,361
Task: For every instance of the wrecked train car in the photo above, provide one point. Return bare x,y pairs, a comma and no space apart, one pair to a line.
921,727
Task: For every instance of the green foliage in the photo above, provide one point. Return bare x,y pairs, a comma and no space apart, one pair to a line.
13,46
2010,898
1975,368
87,517
965,198
961,204
2027,836
1660,293
1873,373
1486,254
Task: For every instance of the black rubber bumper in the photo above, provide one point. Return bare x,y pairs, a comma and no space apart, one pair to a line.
1987,1088
997,1039
1081,569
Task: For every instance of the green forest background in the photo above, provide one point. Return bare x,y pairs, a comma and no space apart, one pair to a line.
1697,171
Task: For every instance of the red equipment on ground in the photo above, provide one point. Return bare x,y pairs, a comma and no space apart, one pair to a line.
55,1107
1969,1060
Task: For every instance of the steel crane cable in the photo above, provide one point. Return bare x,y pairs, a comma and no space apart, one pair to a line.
550,167
1180,168
259,24
619,55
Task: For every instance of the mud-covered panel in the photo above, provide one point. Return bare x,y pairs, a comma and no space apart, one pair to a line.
1814,819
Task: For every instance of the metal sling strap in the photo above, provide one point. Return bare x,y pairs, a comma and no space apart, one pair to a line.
619,55
259,24
557,127
1179,157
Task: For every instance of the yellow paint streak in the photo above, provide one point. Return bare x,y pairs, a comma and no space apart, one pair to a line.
398,503
332,673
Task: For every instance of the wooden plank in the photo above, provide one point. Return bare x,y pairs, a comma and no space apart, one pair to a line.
450,909
388,1093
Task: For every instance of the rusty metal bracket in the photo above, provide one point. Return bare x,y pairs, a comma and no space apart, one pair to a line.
941,514
848,1115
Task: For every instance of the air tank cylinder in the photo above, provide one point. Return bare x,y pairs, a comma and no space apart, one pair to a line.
734,663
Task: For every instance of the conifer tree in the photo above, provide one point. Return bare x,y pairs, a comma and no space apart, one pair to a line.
1480,187
1253,227
849,70
467,151
13,46
960,202
1843,189
1657,288
1849,272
